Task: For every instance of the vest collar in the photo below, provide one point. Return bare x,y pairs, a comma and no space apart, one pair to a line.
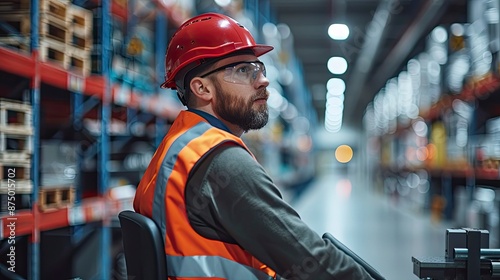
215,122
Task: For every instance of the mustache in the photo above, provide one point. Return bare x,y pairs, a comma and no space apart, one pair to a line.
263,94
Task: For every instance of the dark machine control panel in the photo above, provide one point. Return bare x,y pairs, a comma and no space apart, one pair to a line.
466,256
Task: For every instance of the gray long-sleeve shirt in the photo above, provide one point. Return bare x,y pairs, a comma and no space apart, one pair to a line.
230,197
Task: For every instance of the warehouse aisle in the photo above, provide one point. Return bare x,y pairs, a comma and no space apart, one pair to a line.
383,232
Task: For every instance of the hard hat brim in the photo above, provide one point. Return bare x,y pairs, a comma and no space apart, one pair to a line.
257,49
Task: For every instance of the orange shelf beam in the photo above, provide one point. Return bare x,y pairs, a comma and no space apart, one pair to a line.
471,91
487,174
21,223
93,85
17,63
90,210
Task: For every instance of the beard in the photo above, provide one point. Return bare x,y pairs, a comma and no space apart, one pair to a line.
240,112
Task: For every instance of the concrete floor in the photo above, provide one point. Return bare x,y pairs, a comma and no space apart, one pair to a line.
384,232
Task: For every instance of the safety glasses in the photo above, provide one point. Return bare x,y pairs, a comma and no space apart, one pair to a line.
241,72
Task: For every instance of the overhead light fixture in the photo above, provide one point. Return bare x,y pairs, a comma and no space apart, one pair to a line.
223,3
337,65
338,31
335,85
168,3
344,153
457,29
439,34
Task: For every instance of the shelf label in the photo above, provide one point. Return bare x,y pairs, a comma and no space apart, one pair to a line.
145,103
122,96
98,212
76,216
76,83
159,106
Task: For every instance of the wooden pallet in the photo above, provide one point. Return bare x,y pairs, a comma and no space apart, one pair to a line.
79,61
80,21
15,117
16,130
15,146
491,163
55,197
14,155
53,35
15,169
15,187
55,9
7,6
49,25
81,42
19,21
21,43
54,51
50,28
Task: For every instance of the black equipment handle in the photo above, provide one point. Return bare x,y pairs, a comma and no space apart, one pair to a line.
373,273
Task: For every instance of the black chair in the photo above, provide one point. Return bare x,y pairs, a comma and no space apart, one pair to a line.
143,245
372,271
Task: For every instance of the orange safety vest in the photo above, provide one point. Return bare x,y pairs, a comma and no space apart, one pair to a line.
160,195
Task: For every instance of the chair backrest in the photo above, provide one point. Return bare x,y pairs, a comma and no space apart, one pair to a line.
143,245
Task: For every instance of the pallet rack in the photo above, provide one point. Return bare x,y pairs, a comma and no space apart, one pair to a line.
67,67
454,174
53,56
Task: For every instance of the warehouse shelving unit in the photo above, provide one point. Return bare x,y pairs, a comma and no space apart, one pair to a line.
83,103
436,169
63,96
95,95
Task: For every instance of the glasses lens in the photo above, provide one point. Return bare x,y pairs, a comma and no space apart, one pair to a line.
244,73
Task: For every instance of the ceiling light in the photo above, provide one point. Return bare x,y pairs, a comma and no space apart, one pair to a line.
167,3
223,3
336,85
457,29
270,30
338,31
284,30
439,34
333,128
337,65
344,153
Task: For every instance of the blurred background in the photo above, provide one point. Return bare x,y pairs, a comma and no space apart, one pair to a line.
384,122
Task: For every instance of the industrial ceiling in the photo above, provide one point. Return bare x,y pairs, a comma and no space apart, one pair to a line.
384,35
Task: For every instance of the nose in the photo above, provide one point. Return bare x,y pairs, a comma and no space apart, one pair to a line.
261,80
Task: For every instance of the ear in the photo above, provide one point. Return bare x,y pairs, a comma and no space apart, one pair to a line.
201,87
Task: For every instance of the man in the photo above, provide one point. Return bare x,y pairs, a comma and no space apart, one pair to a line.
221,215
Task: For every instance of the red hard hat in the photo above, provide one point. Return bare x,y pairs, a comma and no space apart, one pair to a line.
205,36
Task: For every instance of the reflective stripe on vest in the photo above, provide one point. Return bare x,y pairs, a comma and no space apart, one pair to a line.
166,168
212,266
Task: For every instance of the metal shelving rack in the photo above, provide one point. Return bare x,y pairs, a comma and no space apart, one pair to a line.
100,209
92,91
35,103
455,174
105,238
